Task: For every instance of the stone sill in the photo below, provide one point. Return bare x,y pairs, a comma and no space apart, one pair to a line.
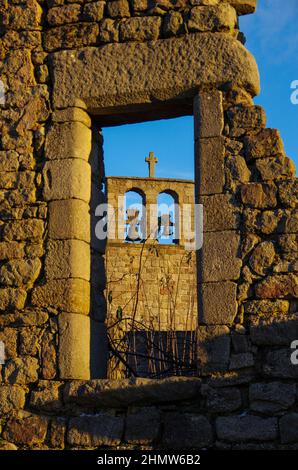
122,393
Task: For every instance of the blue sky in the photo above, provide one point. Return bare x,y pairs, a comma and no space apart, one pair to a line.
272,37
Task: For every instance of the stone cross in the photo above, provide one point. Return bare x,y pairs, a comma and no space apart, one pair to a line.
151,160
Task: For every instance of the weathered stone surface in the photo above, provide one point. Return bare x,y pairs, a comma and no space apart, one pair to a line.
140,29
186,431
21,16
29,341
288,243
273,397
219,259
30,229
69,219
11,250
277,286
12,398
290,221
275,168
222,400
49,355
70,295
92,73
241,361
47,396
266,143
68,140
9,337
135,391
218,304
142,426
93,431
243,119
240,340
67,258
213,348
57,434
70,36
26,317
220,213
140,5
28,431
94,11
244,7
118,8
278,364
20,272
209,163
267,308
71,115
108,31
65,14
9,161
221,17
22,370
236,171
274,331
259,195
288,192
262,257
74,346
66,179
173,24
246,428
208,114
288,426
12,298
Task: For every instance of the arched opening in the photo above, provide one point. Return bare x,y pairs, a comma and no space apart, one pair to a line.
168,218
135,216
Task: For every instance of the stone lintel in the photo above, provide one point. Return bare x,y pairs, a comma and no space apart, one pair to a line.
162,70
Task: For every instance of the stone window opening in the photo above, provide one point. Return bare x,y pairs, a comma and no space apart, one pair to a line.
149,337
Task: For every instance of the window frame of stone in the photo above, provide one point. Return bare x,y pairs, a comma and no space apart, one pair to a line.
156,87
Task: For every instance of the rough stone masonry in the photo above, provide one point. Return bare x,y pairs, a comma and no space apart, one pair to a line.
69,67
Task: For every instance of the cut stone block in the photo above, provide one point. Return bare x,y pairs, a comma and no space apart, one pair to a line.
218,305
70,295
69,219
208,115
220,213
74,346
150,71
66,179
209,165
213,348
68,140
218,259
67,258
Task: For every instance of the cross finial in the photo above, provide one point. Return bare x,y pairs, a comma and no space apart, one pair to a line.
151,160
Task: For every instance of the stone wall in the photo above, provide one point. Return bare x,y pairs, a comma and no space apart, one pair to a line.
60,64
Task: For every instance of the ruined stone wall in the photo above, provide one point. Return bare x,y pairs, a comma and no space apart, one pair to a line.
245,395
